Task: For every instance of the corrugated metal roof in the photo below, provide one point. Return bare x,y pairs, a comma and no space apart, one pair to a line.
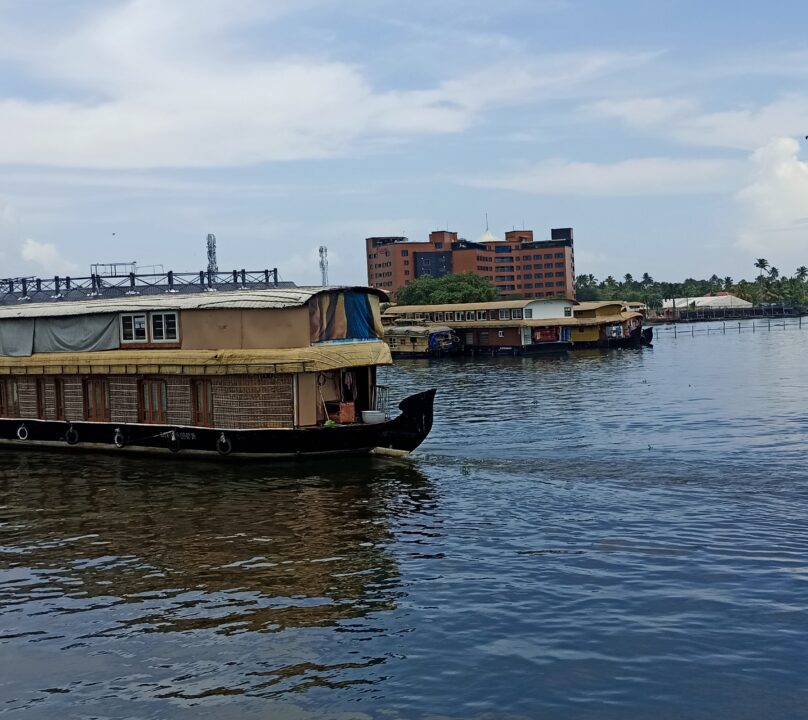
597,304
274,298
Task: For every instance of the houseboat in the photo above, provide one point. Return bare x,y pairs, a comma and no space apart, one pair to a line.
606,324
503,327
251,373
420,340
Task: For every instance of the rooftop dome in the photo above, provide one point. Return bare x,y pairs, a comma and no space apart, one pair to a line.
488,236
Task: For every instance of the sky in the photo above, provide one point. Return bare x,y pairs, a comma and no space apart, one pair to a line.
668,134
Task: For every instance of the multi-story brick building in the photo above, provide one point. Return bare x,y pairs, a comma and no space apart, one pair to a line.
518,265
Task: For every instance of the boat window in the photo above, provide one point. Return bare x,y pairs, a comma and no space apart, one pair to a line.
202,402
482,315
59,390
153,401
96,400
133,328
458,317
164,327
469,315
9,399
40,398
504,314
528,313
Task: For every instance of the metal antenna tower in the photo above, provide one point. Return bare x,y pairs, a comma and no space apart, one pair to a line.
213,268
323,265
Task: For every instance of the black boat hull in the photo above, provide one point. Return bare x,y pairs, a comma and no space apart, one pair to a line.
401,435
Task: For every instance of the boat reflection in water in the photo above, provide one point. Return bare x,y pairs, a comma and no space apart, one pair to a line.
123,548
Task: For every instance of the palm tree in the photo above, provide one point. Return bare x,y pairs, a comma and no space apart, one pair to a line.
728,283
761,264
647,280
802,273
774,273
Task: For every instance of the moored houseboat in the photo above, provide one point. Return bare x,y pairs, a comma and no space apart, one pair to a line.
280,372
501,327
607,324
420,340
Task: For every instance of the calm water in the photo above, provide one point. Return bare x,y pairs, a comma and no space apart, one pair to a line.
613,535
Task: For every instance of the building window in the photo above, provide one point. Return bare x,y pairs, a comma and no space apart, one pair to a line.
469,315
458,317
528,276
528,313
504,314
96,400
482,314
439,245
202,402
59,403
9,399
406,272
559,255
528,285
528,267
548,265
40,398
548,256
484,337
560,284
559,265
406,262
405,253
133,328
501,333
153,401
559,274
567,312
516,314
164,327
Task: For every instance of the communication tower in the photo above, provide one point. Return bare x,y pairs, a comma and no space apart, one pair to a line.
323,265
213,268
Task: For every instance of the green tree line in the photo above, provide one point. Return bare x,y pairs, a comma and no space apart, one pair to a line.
453,288
770,286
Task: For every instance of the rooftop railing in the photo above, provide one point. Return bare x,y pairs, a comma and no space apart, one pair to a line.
34,289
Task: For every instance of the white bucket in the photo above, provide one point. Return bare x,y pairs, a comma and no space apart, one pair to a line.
372,417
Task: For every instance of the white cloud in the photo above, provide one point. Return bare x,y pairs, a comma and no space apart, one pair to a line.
644,112
47,257
644,176
20,256
157,84
774,204
681,119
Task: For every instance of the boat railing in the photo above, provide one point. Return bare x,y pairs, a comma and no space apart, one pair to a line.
22,289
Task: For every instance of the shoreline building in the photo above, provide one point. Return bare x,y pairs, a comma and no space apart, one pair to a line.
517,266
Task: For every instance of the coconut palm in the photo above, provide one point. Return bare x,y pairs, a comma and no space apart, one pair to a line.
728,283
802,273
761,264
